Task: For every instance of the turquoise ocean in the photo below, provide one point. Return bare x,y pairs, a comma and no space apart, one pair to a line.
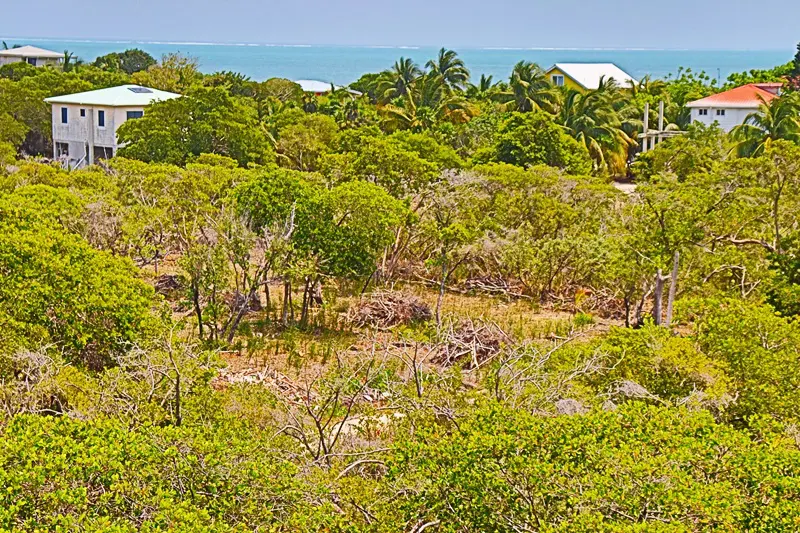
345,64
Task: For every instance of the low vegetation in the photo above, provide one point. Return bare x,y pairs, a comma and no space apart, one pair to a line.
424,308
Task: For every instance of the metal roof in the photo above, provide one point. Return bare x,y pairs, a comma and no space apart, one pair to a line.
122,96
589,74
748,96
316,86
31,51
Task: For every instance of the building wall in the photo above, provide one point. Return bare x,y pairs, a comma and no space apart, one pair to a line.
81,132
569,83
40,62
731,119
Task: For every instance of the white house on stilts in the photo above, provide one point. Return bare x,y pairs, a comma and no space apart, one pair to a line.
85,124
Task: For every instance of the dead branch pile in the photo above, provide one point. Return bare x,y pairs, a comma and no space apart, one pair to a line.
493,285
167,283
604,303
268,377
235,300
632,390
569,406
473,342
386,309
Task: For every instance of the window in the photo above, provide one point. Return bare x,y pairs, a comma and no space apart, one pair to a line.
558,80
62,149
64,115
31,61
135,114
720,112
103,152
83,112
101,119
702,112
140,90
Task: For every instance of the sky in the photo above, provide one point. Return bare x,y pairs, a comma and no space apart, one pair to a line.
674,24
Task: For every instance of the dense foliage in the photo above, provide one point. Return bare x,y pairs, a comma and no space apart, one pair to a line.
189,338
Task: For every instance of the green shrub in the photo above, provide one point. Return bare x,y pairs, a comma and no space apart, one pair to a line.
507,470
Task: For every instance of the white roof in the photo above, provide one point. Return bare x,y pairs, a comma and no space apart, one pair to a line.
316,86
122,96
31,51
589,74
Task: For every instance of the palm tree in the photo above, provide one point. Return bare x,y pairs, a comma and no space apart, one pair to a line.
647,86
594,121
451,68
483,87
399,78
344,107
71,62
528,89
776,119
428,102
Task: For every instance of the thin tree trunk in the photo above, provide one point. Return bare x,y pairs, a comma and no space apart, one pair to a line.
306,300
287,291
417,376
178,415
291,304
243,308
658,297
442,286
776,222
364,288
316,293
627,301
214,327
177,399
673,287
268,303
197,309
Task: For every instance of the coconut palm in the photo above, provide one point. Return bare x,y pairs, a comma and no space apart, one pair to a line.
396,81
427,102
776,119
593,120
71,62
483,87
647,86
451,68
345,107
528,89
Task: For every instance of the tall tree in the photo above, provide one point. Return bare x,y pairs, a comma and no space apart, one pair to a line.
427,102
451,68
397,80
776,119
482,88
129,61
71,61
528,89
593,120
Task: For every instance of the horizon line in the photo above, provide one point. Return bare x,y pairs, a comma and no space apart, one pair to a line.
383,46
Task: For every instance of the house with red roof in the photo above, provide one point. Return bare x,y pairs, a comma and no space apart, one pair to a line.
731,108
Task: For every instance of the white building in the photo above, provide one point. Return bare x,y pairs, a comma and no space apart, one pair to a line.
587,76
321,87
38,57
731,108
85,124
315,86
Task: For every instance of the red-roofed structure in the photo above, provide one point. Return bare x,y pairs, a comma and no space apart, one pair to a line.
731,108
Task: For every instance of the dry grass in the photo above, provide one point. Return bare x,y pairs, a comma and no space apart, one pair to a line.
329,334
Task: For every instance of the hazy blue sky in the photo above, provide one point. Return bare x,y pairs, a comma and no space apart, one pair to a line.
728,24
